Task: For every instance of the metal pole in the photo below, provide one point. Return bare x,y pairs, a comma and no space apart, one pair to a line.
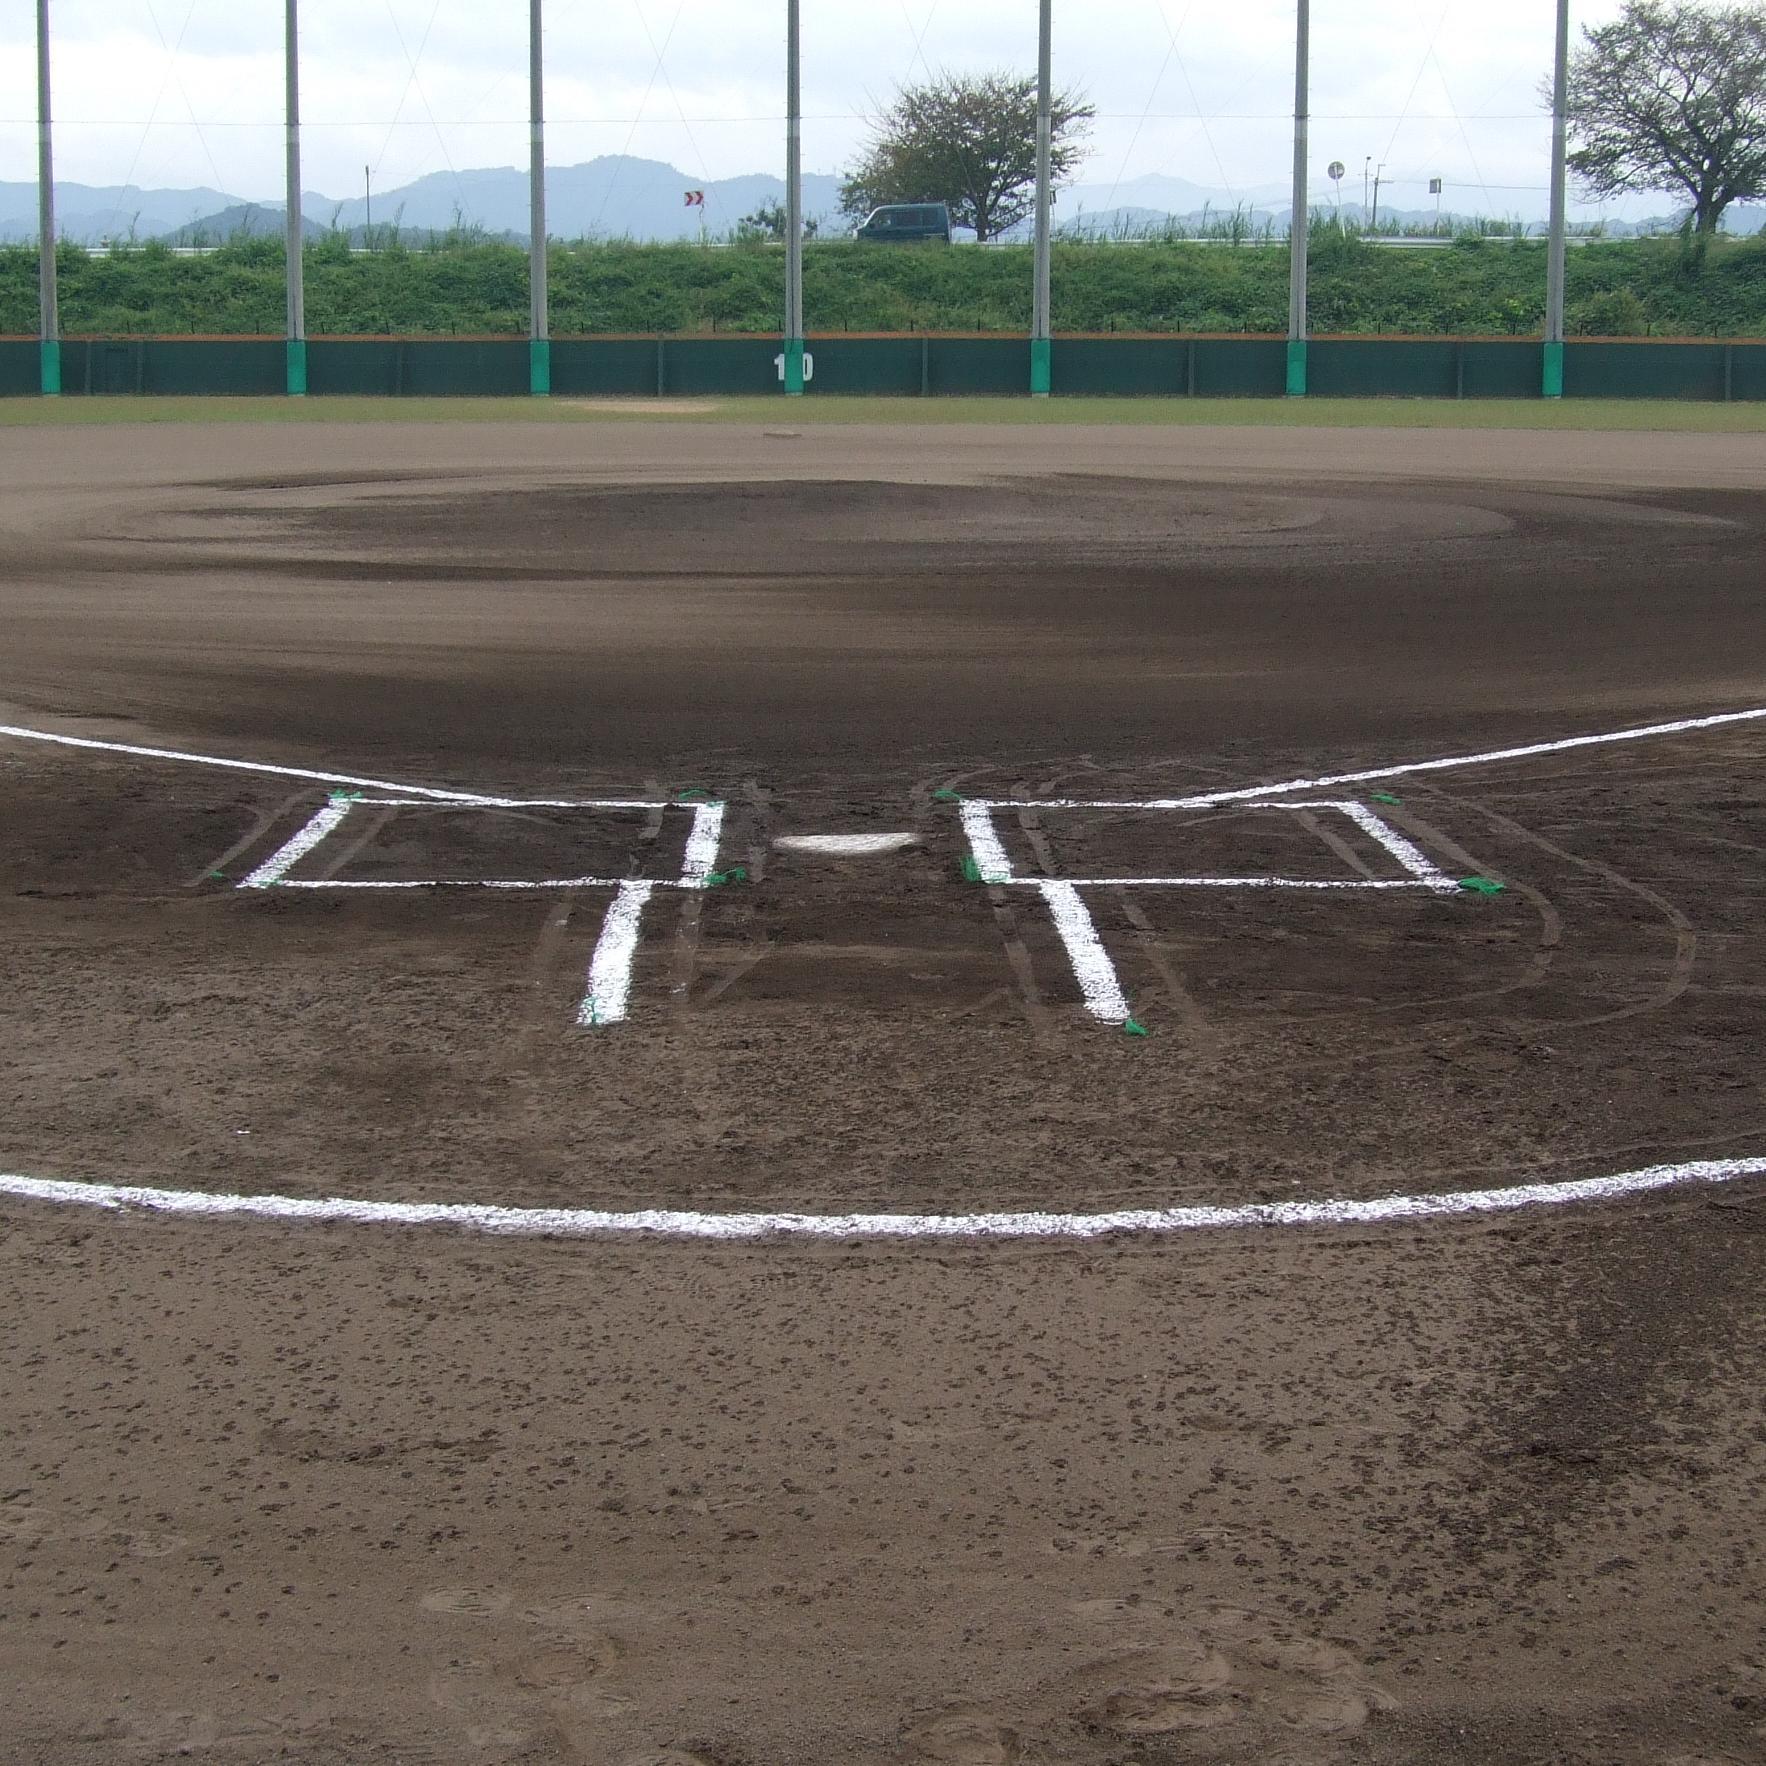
1300,217
297,294
1041,348
539,348
1553,379
793,362
49,308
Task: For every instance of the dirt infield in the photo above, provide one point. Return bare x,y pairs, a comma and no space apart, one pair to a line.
1437,1490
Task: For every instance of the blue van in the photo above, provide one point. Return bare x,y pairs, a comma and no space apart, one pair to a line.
901,223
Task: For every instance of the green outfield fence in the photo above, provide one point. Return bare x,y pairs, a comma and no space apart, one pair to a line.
1200,366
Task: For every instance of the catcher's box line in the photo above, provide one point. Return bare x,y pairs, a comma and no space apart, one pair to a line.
1206,800
668,1223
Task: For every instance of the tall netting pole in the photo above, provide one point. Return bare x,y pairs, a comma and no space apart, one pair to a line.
539,349
1041,346
1553,384
49,306
1300,217
297,292
793,198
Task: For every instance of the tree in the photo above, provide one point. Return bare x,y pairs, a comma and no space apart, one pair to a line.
769,222
969,141
1672,97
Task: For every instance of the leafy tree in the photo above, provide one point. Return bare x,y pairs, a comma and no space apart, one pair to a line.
969,141
769,222
1672,97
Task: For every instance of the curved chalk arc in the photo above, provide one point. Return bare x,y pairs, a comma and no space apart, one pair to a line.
671,1223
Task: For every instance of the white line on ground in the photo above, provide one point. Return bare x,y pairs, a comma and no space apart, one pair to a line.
668,1223
1245,794
984,842
275,868
524,803
1092,967
1249,793
700,859
1439,883
610,969
554,883
1408,854
429,793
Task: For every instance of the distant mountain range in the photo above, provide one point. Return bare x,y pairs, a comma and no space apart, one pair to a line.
614,197
621,197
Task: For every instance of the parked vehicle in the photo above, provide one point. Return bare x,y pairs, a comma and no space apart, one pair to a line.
901,223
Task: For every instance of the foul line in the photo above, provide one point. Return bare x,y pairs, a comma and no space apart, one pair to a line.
666,1223
1249,792
429,793
1207,799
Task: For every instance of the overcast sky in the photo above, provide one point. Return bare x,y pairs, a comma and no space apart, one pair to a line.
189,92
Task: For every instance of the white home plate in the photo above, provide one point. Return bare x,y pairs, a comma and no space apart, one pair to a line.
845,845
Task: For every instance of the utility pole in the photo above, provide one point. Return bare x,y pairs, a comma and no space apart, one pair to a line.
793,362
539,346
49,309
1300,219
1553,377
1041,346
297,294
367,204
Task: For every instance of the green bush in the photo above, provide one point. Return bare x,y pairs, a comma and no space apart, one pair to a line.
461,283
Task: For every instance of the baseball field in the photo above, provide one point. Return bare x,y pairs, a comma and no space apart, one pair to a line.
752,1086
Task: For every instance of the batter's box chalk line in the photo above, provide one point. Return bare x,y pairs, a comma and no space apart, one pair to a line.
607,997
622,922
687,1224
1093,970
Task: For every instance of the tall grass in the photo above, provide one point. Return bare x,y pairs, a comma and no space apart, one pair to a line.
460,282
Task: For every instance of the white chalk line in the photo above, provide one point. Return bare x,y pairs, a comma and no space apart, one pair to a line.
429,793
1382,833
610,969
525,803
670,1223
1092,967
1249,793
1438,885
700,860
553,883
993,866
1205,800
276,867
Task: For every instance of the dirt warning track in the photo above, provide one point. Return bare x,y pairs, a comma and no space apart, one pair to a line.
693,823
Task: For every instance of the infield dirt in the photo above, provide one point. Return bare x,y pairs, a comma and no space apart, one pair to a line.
1442,1492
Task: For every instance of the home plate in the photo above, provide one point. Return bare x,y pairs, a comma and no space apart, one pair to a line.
845,845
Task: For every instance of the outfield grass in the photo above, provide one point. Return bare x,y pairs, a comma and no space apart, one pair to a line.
1592,414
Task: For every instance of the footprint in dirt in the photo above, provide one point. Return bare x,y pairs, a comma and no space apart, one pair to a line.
963,1738
1222,1666
467,1603
565,1667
